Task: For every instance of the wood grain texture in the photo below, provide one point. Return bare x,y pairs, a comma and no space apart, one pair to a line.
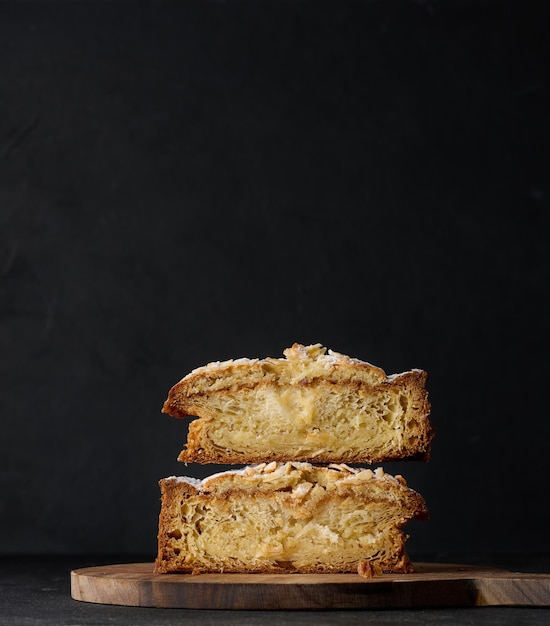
431,585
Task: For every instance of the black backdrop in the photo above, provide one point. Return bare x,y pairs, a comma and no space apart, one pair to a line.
188,183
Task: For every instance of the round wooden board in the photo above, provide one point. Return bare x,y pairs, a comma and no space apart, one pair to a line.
431,585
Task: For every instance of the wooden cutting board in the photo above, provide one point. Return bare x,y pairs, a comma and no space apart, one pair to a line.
432,585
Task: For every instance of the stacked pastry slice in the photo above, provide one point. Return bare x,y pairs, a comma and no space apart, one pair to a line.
297,506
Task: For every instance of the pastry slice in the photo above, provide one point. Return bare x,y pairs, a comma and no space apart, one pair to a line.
287,517
312,406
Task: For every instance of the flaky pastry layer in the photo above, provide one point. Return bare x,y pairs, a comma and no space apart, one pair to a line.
287,517
313,405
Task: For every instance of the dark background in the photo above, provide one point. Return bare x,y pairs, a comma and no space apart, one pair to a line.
182,184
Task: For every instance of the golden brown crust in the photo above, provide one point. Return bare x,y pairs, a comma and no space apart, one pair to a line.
311,406
301,366
281,518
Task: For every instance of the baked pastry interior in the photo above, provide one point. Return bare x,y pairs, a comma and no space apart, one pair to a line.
287,517
313,405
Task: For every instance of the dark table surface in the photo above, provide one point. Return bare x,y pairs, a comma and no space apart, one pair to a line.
36,590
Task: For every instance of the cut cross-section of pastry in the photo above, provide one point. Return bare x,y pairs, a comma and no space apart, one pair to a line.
287,517
312,405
